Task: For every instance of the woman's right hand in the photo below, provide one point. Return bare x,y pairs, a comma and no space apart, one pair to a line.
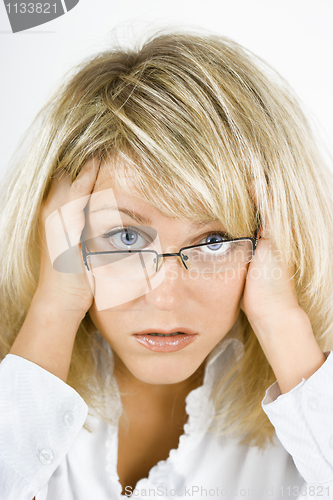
71,289
61,300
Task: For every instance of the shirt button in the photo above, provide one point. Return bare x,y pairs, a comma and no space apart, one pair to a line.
46,456
330,442
313,402
69,418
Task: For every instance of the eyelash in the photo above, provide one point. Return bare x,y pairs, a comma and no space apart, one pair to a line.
114,231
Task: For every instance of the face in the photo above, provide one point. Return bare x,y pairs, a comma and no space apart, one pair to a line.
207,305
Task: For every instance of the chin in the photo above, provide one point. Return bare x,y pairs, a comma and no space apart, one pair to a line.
162,373
161,378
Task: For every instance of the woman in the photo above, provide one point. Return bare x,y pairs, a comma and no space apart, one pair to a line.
165,267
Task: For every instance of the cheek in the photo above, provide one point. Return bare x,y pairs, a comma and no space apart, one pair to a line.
110,322
105,321
223,288
220,299
219,303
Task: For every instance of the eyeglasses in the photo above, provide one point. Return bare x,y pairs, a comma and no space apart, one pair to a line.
216,256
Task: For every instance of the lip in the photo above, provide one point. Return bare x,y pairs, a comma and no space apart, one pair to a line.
166,344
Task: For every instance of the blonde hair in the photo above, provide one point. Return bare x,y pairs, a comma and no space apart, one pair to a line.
185,113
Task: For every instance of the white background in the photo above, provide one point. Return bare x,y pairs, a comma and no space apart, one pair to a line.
294,36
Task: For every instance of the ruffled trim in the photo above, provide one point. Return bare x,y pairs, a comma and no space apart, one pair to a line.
111,446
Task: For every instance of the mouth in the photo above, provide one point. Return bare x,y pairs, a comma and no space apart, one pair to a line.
166,341
166,334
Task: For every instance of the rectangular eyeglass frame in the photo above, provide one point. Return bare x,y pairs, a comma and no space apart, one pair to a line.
86,254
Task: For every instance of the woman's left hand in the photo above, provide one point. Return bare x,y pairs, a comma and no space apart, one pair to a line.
282,327
270,287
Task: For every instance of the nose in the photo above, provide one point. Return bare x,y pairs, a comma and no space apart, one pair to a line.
172,292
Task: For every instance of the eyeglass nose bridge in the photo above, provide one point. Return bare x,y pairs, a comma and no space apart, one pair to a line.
178,254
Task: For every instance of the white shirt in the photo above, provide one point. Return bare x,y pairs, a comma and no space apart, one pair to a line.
45,451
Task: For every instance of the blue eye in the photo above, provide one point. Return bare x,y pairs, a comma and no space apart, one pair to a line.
216,241
127,238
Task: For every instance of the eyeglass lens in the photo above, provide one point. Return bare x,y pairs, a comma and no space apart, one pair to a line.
210,258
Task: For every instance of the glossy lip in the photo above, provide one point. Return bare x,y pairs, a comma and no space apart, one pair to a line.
166,344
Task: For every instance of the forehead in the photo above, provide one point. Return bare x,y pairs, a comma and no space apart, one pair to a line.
114,187
116,191
172,195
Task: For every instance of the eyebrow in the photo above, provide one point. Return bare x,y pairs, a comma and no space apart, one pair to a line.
145,220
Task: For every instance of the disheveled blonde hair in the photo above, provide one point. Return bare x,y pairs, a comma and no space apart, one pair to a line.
194,119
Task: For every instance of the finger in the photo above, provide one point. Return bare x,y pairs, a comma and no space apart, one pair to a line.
61,191
79,194
266,232
85,181
64,225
